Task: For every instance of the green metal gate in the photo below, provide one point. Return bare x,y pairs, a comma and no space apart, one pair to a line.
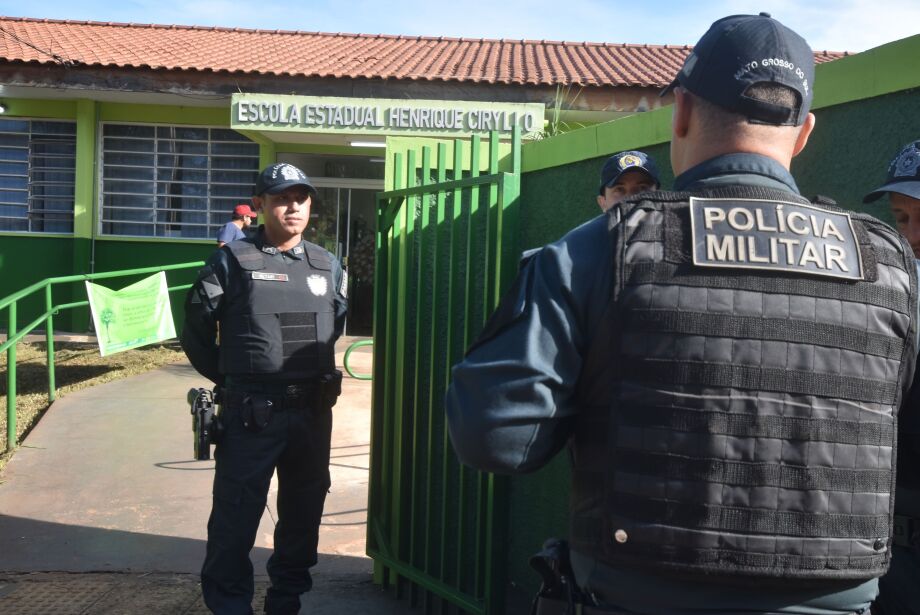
446,247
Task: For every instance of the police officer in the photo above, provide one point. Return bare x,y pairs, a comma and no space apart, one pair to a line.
625,174
899,593
725,362
279,304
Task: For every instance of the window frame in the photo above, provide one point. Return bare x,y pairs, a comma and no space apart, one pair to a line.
29,183
208,198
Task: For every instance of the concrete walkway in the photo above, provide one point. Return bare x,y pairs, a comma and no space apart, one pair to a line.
102,509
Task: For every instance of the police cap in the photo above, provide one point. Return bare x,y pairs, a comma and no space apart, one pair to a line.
903,174
743,50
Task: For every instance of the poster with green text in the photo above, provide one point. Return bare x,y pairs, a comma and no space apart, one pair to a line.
136,315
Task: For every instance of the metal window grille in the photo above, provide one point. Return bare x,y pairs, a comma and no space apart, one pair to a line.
37,170
173,181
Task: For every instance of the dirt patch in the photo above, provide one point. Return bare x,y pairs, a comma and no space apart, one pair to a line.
77,366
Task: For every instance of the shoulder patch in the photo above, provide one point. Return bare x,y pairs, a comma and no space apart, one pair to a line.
774,235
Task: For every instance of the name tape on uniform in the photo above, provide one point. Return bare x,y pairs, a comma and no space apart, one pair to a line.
269,277
775,235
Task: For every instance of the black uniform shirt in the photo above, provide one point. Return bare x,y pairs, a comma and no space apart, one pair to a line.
204,306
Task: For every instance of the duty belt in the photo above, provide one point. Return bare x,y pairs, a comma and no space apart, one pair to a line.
282,397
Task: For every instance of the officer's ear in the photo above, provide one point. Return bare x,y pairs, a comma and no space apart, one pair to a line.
257,203
802,139
680,116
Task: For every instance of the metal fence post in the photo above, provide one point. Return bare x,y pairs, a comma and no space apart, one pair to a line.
11,381
49,339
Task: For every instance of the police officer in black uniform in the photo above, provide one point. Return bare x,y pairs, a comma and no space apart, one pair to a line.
261,322
899,591
725,362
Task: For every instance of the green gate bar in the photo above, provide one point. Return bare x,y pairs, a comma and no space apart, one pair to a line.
14,334
446,247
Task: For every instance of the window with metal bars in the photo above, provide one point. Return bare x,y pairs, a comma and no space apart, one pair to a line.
173,181
37,170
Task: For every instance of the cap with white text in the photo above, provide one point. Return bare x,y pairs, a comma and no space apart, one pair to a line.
279,177
743,50
903,174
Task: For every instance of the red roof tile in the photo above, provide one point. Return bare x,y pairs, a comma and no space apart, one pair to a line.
344,56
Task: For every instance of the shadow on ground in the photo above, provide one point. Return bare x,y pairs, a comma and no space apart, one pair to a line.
64,569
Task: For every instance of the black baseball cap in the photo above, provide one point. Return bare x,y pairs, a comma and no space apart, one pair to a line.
742,50
622,162
903,174
279,177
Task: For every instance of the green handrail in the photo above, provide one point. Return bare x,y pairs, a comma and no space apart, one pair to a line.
348,352
14,335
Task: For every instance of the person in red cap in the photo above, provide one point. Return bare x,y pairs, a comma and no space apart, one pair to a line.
233,230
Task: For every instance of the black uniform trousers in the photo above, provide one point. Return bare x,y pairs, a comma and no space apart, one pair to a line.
296,441
899,592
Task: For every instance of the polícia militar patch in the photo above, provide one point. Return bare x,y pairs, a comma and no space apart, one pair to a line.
774,235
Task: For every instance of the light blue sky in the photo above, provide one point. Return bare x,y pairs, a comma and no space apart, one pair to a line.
852,25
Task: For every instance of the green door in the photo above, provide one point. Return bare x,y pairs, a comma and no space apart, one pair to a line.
446,247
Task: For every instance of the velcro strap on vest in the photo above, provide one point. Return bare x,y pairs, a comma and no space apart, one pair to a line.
759,426
754,520
748,474
754,378
775,329
298,332
751,563
682,275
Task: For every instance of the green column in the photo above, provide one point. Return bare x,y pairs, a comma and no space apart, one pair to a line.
85,209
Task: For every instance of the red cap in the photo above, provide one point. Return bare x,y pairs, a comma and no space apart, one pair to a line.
244,210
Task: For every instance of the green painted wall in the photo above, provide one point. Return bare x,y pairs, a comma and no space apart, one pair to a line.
26,259
848,153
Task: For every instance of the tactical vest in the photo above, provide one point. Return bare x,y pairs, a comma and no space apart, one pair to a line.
282,322
738,418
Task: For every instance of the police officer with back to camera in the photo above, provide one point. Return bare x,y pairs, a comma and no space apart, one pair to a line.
899,593
725,360
279,303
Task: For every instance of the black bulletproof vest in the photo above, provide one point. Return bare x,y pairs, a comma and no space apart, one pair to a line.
281,322
739,421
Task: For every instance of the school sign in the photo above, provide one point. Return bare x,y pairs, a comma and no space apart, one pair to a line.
381,116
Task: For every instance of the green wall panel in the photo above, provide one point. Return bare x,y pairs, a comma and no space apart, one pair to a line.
849,151
27,259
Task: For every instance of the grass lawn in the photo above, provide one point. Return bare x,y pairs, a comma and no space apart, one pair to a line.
77,366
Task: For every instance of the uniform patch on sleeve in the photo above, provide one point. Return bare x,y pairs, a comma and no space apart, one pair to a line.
343,287
209,289
774,235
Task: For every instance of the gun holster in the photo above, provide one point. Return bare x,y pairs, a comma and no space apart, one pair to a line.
206,423
330,387
559,593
